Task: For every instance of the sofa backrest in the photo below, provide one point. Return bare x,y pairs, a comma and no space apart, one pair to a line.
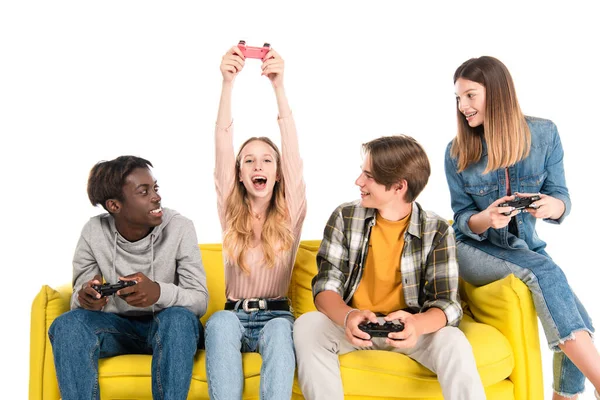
300,293
305,268
212,258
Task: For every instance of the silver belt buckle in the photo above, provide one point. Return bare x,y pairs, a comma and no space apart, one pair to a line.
262,304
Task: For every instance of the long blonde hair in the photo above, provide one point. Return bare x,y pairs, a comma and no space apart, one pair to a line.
276,235
505,130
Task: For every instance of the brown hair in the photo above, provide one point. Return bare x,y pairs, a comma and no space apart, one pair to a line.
504,128
276,233
394,158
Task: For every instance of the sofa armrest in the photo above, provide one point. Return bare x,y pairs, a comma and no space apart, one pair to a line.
47,305
507,305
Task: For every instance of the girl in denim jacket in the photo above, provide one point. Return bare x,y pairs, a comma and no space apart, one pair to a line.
500,154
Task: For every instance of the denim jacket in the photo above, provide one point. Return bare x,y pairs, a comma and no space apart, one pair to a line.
541,172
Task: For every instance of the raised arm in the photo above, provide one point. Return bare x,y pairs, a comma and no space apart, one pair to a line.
231,64
292,167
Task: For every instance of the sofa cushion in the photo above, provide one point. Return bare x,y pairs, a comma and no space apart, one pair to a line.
129,376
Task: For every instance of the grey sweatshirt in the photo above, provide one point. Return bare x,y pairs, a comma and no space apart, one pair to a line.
169,255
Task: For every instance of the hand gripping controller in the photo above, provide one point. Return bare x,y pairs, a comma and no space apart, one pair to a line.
109,289
254,52
379,330
519,203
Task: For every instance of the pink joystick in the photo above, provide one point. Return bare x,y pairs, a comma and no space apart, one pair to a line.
254,52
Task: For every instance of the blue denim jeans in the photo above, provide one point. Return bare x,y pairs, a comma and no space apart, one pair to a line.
558,308
80,337
231,333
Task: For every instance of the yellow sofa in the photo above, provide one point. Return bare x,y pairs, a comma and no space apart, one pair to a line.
500,323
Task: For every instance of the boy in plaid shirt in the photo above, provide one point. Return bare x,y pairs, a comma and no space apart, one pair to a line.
383,258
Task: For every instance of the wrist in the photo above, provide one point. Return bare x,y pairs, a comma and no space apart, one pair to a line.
278,87
417,322
157,291
560,210
480,222
347,315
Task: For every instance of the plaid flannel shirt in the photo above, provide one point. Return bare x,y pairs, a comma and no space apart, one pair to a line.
428,262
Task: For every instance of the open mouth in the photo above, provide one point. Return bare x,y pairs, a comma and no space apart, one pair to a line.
259,182
468,116
364,194
156,212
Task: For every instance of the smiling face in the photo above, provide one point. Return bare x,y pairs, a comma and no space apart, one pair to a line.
258,169
373,194
470,100
140,208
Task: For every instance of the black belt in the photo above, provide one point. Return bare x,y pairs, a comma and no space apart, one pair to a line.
250,305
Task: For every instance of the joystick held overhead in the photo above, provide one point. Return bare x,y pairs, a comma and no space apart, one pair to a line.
254,52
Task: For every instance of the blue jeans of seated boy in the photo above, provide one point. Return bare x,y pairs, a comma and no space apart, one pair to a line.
558,308
80,337
231,333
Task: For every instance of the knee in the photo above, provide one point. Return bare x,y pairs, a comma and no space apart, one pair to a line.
223,324
68,326
543,273
178,319
451,340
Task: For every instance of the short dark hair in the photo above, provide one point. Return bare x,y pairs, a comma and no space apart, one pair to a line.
394,158
107,178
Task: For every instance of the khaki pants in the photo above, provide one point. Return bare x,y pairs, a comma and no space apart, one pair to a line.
319,341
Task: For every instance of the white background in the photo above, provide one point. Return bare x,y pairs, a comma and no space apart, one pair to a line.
86,81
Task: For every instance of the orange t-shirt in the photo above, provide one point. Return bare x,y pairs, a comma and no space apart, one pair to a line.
380,289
